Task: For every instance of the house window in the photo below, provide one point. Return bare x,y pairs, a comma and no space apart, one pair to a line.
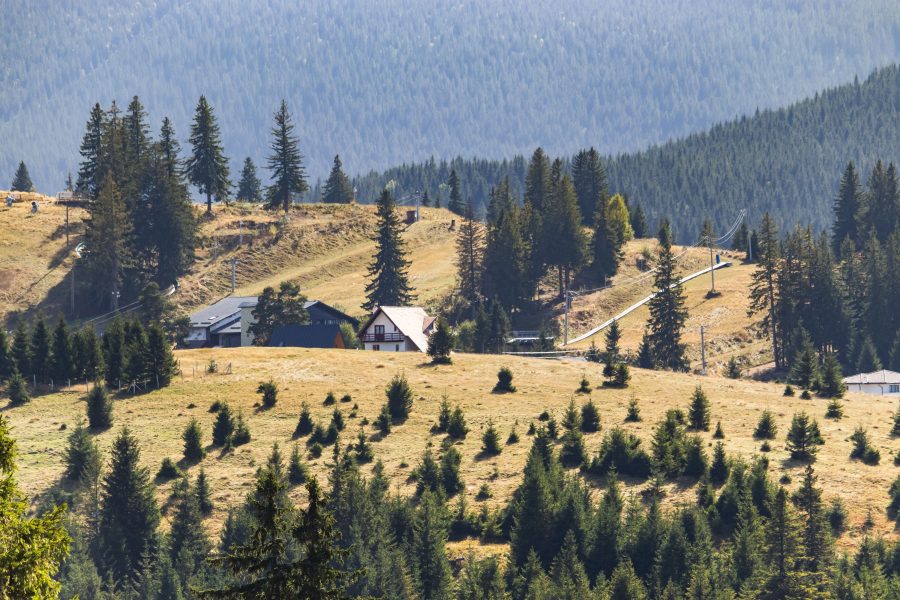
379,330
376,347
894,388
397,348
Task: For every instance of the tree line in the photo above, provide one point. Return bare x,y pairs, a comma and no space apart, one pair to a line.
774,161
834,298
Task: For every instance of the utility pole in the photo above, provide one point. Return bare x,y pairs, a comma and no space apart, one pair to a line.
72,288
566,320
241,232
234,263
703,349
712,268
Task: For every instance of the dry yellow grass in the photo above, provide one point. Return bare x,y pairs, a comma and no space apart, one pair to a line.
33,257
159,418
728,328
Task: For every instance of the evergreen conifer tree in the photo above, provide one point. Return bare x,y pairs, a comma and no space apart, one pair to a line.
62,356
22,180
718,470
490,441
832,385
128,512
456,204
428,555
201,489
285,162
7,364
160,360
783,548
440,343
99,408
81,455
223,428
90,172
469,255
589,180
698,414
249,186
107,232
169,150
188,544
193,442
338,189
764,290
399,398
21,349
612,353
41,355
803,438
388,277
207,165
667,314
17,389
846,210
638,222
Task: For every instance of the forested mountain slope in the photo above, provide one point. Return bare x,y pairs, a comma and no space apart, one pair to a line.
783,161
389,81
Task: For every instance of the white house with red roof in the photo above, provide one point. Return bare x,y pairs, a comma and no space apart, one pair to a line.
397,329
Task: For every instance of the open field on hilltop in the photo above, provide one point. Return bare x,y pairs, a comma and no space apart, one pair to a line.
158,419
33,255
326,249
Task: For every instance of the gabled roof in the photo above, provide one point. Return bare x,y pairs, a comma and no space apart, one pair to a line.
306,336
224,308
318,305
875,377
412,321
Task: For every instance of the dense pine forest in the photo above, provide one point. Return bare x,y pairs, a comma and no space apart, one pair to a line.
782,161
386,82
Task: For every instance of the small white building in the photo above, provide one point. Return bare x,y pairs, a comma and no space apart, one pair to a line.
878,383
397,329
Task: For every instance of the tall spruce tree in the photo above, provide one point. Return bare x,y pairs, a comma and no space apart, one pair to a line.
589,180
169,149
563,241
20,350
167,234
41,351
108,253
469,256
249,186
285,163
207,166
389,281
639,222
129,514
846,210
338,189
764,289
90,171
667,313
456,204
62,356
505,269
22,180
